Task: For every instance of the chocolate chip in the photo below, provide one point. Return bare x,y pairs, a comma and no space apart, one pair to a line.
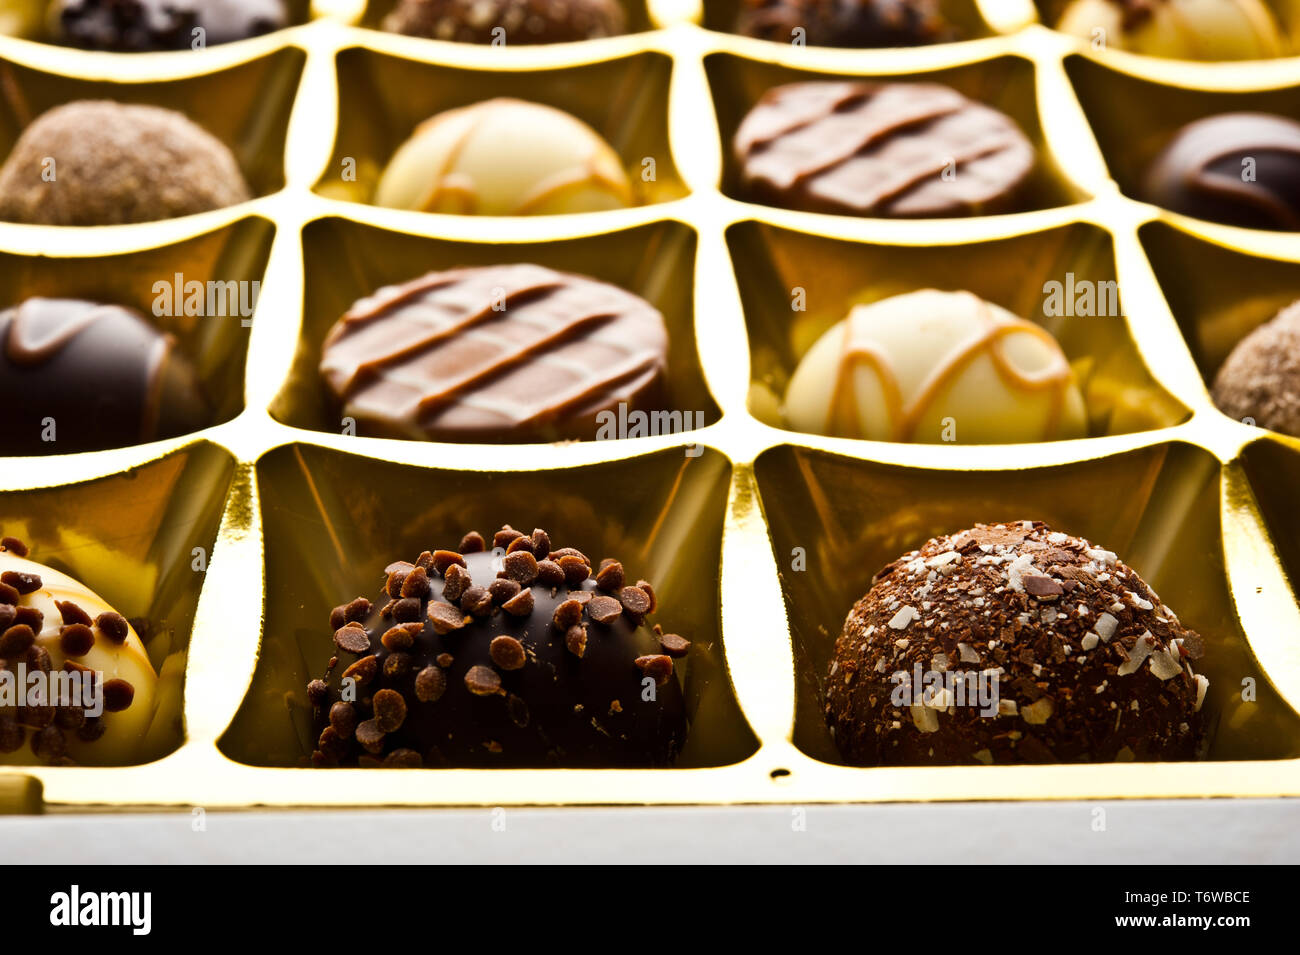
37,717
444,660
472,543
549,573
521,543
357,609
442,559
416,584
507,653
16,640
673,645
604,609
49,743
541,543
363,671
343,717
658,666
397,665
72,613
610,576
445,618
113,625
390,710
405,610
331,746
76,639
650,592
505,536
483,681
403,758
567,614
23,583
38,658
430,684
318,692
14,546
8,595
576,569
352,639
476,601
11,734
93,729
402,636
575,641
455,582
118,695
1039,586
520,605
8,613
558,555
634,600
502,589
70,717
520,566
425,560
370,736
30,616
393,586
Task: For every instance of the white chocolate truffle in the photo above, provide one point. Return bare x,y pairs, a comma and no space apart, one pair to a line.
505,157
931,367
1178,29
125,674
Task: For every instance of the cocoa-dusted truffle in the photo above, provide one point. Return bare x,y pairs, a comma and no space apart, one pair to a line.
494,353
1013,643
98,162
1239,168
898,150
1261,378
131,26
509,656
81,376
512,22
846,23
76,685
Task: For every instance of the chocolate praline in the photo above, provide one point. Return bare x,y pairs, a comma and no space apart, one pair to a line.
1031,646
528,656
510,22
494,353
846,23
1260,380
138,26
1237,168
81,376
898,150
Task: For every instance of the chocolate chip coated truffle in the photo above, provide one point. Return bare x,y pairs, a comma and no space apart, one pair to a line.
512,22
136,26
81,376
505,157
1178,29
898,150
1013,643
97,162
501,653
494,353
845,23
99,686
931,367
1261,378
1238,168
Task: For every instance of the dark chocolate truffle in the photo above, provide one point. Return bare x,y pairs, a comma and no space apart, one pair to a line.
898,150
520,22
1261,378
514,658
90,376
136,26
1238,168
1012,643
97,162
495,353
846,23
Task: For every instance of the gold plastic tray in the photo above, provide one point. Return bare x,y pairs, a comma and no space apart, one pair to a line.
235,542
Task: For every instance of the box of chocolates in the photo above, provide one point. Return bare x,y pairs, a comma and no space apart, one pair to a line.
599,402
